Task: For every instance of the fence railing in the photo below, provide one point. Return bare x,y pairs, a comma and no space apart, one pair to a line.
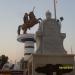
2,72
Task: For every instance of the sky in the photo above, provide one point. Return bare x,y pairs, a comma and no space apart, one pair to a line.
11,16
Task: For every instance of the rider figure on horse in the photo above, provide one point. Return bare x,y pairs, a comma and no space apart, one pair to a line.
31,15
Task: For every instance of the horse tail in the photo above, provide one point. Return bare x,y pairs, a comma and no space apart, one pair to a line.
19,28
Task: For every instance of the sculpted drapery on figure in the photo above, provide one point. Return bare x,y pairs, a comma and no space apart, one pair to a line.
29,21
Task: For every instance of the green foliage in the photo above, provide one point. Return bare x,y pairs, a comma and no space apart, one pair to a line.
3,60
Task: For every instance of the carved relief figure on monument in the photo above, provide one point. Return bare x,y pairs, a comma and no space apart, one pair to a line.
48,15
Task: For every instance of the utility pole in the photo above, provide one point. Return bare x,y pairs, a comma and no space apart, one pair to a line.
55,9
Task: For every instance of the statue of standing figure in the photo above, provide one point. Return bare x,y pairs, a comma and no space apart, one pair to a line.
29,21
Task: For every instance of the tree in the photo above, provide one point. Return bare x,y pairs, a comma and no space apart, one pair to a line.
3,60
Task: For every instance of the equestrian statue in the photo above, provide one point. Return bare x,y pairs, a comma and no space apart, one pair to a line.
29,21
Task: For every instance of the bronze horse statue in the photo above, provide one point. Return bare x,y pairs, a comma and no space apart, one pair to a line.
30,23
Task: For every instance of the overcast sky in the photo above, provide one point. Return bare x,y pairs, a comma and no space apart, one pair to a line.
11,16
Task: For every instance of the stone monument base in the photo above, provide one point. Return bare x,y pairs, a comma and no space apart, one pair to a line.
41,64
